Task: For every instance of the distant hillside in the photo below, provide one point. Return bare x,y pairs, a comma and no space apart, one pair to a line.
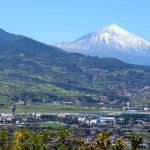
33,71
20,44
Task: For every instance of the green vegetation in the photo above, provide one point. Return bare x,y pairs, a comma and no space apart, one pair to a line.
54,125
35,72
50,108
135,142
24,139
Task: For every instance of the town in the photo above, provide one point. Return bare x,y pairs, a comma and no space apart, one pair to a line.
85,125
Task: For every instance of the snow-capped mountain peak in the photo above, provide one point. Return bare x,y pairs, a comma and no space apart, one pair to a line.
114,36
114,27
111,41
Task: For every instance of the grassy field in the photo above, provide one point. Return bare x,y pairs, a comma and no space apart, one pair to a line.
50,108
53,125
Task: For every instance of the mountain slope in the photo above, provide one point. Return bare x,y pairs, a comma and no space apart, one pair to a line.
20,44
33,71
112,41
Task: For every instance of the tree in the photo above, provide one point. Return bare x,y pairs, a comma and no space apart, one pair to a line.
21,135
64,143
36,141
78,144
30,140
46,136
62,135
135,142
4,140
20,138
119,145
103,141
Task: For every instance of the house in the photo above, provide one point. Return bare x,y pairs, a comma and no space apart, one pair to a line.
81,119
49,117
94,121
105,120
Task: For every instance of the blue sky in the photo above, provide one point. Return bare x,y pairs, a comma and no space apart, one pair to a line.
65,20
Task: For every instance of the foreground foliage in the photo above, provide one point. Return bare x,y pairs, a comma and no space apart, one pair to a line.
24,139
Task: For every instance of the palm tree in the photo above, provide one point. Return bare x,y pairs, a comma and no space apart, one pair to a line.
35,141
135,142
46,136
119,145
78,143
62,135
